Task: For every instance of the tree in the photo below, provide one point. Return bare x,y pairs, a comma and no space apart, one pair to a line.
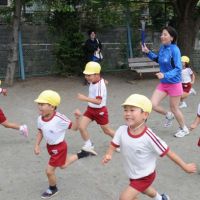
187,23
13,52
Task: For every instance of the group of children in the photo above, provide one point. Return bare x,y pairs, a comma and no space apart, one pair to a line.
138,144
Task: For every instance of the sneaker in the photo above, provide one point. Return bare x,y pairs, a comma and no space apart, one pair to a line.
117,150
49,193
193,91
165,197
89,149
168,119
24,130
183,104
182,132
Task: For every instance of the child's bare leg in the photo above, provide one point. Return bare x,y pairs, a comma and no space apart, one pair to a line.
107,130
74,157
83,128
70,159
195,123
50,172
129,194
150,191
12,125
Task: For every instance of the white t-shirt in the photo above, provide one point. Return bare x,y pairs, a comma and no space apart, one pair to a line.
139,152
98,90
55,128
186,75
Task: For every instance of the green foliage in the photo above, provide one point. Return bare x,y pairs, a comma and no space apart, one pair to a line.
68,49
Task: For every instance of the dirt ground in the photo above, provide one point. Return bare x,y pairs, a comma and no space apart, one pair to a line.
22,173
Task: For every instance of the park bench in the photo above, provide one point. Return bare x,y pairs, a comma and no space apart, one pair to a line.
143,65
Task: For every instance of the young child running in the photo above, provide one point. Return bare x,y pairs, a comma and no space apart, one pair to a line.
188,79
140,147
96,109
52,126
23,129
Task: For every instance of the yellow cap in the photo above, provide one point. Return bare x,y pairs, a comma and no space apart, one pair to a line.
139,101
92,68
49,96
185,59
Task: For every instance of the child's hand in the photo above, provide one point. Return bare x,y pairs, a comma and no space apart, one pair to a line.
77,113
106,159
81,97
190,168
37,150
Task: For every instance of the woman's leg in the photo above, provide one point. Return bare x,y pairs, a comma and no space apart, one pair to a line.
156,99
174,106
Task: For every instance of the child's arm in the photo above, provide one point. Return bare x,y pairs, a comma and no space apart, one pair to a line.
108,156
87,99
193,78
187,167
195,123
38,141
75,124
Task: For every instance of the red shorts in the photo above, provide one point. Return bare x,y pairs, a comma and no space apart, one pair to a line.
142,184
100,115
2,117
186,87
58,154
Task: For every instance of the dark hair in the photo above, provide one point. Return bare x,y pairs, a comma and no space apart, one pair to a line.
172,32
90,31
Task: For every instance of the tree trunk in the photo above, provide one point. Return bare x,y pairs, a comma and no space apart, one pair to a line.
13,52
188,24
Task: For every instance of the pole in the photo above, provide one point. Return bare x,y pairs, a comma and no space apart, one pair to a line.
21,58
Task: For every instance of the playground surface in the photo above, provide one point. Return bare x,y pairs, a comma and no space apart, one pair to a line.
22,173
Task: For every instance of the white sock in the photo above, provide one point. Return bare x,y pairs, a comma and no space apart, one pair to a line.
88,143
158,197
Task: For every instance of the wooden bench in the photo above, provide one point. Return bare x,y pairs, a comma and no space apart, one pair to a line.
143,65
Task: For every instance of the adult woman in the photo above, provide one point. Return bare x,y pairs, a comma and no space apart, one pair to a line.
91,46
169,59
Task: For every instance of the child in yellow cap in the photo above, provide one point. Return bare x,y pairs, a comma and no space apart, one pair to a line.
188,79
52,126
140,148
96,110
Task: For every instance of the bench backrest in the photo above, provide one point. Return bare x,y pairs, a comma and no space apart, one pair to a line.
141,62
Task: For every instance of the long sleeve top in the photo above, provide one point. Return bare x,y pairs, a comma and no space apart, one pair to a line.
169,59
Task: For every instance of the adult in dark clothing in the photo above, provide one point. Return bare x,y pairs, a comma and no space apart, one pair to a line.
91,46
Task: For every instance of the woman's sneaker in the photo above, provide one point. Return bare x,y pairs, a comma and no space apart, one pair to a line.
49,193
168,119
165,197
182,132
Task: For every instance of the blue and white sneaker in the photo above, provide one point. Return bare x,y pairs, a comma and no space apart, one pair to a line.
49,193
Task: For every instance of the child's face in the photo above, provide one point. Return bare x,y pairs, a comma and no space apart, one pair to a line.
92,78
183,64
134,116
46,110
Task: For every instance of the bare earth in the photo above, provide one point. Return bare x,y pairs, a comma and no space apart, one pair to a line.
22,173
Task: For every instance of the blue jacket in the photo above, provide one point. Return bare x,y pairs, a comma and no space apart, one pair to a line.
169,59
